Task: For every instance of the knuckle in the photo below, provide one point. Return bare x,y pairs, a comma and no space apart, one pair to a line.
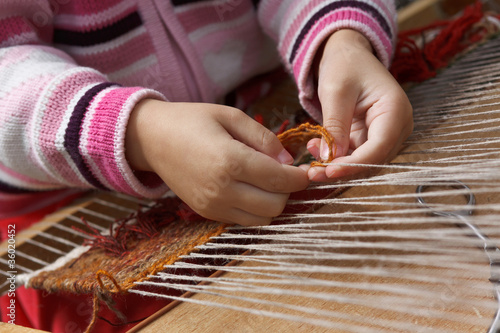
234,167
267,138
232,114
336,126
226,165
228,168
206,207
199,202
212,190
327,88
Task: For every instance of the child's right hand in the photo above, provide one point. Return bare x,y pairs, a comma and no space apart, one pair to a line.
223,164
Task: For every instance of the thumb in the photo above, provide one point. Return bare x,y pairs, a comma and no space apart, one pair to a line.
338,110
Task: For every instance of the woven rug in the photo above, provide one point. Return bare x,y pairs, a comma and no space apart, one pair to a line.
131,253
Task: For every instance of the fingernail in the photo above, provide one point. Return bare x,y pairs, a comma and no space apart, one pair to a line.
285,158
309,145
305,167
324,150
313,172
331,170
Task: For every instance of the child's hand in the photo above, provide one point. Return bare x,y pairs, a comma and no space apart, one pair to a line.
363,106
222,163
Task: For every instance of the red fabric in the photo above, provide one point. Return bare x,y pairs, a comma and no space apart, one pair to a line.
72,313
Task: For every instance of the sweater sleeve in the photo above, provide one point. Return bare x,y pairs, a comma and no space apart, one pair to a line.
61,125
300,27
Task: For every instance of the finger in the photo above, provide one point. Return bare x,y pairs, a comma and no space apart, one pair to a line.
257,201
317,174
385,138
265,173
227,204
338,104
305,167
359,133
238,216
248,131
313,146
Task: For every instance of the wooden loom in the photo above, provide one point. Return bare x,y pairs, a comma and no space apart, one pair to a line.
392,268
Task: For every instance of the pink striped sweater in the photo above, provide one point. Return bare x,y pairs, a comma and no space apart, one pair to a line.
72,71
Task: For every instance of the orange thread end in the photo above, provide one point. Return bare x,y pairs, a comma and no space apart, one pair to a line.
99,275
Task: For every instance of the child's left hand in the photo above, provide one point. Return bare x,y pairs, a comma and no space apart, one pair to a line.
363,106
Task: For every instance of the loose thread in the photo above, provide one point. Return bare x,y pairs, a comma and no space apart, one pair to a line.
110,303
100,273
138,225
283,127
103,295
115,242
95,311
305,132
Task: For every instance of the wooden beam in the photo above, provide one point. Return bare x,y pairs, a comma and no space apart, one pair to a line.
9,328
424,12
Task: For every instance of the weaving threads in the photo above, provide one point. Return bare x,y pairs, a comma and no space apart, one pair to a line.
153,252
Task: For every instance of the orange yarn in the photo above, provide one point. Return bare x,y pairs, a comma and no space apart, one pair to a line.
95,311
305,132
100,273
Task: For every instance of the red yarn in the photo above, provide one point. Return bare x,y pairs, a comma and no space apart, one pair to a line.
149,223
114,243
416,64
284,125
259,118
139,225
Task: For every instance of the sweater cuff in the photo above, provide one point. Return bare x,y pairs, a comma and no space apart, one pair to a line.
102,142
374,28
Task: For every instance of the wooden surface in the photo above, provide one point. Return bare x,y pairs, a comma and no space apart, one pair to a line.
424,12
9,328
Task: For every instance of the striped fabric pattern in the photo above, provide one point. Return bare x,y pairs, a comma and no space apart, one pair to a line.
72,72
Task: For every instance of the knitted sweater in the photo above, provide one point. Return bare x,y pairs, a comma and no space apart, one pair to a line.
72,71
